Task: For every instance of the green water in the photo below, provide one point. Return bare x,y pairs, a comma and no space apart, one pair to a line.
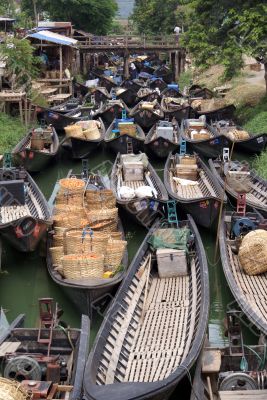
26,278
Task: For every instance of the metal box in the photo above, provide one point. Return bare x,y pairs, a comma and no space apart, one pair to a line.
171,263
165,132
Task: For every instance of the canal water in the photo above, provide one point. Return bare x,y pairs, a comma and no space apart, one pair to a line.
24,277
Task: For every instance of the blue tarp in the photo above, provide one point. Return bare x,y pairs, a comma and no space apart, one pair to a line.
52,37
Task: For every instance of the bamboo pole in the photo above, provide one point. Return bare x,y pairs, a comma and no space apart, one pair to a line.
60,68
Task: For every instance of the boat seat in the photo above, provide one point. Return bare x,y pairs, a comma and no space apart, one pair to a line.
211,362
8,347
243,395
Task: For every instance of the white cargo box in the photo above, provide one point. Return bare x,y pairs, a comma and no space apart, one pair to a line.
171,263
166,132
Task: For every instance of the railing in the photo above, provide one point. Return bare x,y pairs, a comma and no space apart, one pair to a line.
128,42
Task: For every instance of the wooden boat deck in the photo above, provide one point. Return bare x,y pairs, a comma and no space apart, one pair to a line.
243,395
252,287
150,335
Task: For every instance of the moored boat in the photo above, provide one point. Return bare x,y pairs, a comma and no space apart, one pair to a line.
86,252
163,138
177,108
154,83
202,138
127,138
190,183
146,114
128,95
110,110
24,212
243,140
35,152
223,112
49,359
237,177
155,327
249,291
138,188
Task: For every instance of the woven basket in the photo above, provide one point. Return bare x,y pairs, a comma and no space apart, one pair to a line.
114,254
253,252
116,235
56,253
12,390
69,221
83,266
92,133
75,242
58,241
104,219
71,192
98,199
71,209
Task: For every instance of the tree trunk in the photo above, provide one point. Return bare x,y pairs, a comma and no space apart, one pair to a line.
265,75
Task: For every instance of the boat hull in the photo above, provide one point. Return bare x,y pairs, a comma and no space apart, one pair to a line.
146,119
82,148
211,148
31,160
223,113
111,113
253,145
120,144
161,147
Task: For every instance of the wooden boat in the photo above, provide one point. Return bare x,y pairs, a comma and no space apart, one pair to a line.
244,141
24,212
144,209
165,73
68,106
161,144
154,330
147,94
83,147
107,82
256,192
145,116
124,143
248,291
87,293
101,95
80,89
134,84
226,112
176,108
220,373
205,141
157,83
127,95
35,160
46,358
172,92
196,91
110,110
57,119
201,198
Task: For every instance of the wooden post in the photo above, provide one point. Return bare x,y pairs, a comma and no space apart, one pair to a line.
177,66
60,68
183,55
126,65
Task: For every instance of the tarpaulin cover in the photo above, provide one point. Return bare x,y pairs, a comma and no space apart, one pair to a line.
170,238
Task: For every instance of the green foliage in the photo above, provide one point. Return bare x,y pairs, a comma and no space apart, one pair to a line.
91,15
20,59
151,16
116,29
260,164
221,31
253,117
12,130
185,79
7,8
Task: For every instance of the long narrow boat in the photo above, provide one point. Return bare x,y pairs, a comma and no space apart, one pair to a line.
244,141
110,110
202,138
249,291
164,73
177,108
24,212
146,115
134,84
83,147
29,358
86,293
101,95
225,112
172,92
155,327
147,94
220,373
196,91
80,89
106,82
128,95
124,143
35,160
256,196
161,144
157,83
194,188
143,207
60,121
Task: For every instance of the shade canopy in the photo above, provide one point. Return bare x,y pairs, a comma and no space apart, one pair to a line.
52,37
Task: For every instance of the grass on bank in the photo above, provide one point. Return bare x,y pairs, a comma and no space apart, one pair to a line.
260,164
12,130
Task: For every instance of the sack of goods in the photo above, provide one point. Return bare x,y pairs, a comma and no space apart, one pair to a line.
127,193
127,128
236,134
73,131
147,106
253,252
144,191
239,181
89,130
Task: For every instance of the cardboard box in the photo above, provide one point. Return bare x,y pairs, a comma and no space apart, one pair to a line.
171,263
133,171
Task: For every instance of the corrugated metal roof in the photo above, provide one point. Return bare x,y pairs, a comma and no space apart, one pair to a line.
52,37
54,24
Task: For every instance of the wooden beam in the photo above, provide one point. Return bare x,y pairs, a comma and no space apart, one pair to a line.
60,67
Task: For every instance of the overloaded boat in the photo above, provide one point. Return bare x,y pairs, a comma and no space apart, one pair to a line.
155,327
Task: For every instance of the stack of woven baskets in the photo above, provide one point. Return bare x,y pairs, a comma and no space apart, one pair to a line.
12,390
87,130
86,243
253,252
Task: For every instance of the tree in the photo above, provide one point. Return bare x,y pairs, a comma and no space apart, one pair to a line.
94,16
150,16
7,8
222,31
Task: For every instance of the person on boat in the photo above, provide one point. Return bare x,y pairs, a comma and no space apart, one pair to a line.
133,71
